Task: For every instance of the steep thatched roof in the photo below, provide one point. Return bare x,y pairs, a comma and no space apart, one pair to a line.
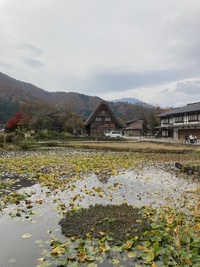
102,104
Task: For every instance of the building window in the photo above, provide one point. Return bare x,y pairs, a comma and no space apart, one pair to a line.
165,121
165,133
193,117
103,112
178,119
98,119
107,118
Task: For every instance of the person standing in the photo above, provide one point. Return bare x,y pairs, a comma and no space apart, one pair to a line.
191,139
186,139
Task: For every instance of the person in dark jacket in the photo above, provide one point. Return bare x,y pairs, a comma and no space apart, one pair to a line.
186,139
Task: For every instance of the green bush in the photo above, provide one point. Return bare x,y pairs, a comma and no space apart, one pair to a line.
9,137
65,134
17,139
48,134
1,139
43,134
20,133
25,145
51,144
53,134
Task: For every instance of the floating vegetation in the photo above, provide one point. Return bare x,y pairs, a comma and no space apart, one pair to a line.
172,239
109,232
118,221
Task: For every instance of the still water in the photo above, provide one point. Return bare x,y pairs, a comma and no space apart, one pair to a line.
26,229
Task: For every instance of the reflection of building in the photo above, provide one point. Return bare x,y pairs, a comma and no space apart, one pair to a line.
178,122
133,127
101,120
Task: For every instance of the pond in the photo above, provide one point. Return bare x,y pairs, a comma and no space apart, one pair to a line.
27,228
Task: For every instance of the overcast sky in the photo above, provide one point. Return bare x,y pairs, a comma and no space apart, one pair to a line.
145,49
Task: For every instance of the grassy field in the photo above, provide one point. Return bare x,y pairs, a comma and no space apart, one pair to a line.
181,151
136,145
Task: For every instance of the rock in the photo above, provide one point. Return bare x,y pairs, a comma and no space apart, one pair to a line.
178,165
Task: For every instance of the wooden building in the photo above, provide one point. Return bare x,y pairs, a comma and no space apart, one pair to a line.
178,122
101,120
133,127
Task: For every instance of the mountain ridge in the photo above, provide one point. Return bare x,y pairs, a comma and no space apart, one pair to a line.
13,92
129,100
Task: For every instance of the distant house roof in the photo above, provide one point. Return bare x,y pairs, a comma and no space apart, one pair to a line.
93,114
127,122
191,107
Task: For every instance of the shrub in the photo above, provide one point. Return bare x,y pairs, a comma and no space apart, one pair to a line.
43,134
65,134
17,139
51,144
25,145
9,137
1,139
53,134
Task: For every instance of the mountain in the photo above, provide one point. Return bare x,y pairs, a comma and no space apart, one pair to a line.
14,92
128,100
133,101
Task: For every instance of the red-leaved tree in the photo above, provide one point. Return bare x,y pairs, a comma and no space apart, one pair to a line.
18,120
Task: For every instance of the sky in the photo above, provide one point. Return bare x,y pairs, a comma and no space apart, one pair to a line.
144,49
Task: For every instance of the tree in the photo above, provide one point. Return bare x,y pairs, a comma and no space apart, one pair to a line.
11,124
152,121
52,117
145,125
73,124
19,120
39,114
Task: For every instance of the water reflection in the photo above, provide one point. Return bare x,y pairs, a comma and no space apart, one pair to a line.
143,186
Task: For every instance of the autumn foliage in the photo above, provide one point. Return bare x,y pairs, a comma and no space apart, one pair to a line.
18,120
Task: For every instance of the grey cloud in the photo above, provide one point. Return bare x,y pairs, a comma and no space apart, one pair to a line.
127,46
34,50
182,39
33,63
125,80
189,87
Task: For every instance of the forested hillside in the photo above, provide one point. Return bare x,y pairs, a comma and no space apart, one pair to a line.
14,94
